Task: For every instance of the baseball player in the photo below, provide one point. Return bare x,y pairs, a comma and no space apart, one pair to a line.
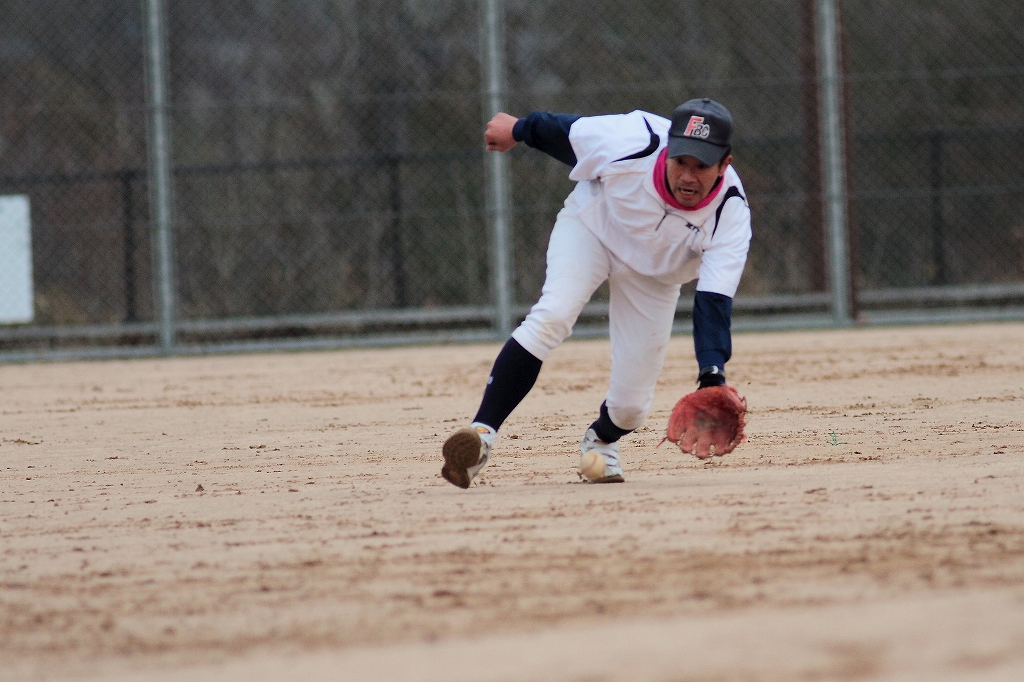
657,203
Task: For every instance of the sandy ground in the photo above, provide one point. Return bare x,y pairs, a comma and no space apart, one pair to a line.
282,517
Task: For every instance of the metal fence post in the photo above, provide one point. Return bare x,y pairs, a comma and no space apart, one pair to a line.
497,169
935,180
159,154
126,177
810,113
834,162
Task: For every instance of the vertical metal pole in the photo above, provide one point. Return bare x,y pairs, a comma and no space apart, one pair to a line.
396,251
938,242
498,208
810,114
160,171
128,218
834,161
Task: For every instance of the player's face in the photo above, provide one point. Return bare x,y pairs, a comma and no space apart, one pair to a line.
690,180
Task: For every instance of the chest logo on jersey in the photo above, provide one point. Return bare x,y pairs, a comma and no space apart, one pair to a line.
697,128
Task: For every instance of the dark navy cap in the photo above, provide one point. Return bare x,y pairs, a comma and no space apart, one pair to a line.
701,128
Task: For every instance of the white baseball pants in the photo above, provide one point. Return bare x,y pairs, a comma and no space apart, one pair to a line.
641,310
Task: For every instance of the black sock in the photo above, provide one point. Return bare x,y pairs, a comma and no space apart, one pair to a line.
513,375
606,429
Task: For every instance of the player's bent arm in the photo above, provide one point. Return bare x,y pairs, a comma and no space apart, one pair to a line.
548,133
592,144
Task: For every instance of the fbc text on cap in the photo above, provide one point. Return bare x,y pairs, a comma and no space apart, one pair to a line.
701,128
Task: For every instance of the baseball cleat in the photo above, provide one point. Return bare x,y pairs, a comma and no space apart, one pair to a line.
466,452
600,461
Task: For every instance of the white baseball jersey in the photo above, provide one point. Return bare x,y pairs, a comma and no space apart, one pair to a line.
616,198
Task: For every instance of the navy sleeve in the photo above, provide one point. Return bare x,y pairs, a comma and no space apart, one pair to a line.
712,318
547,132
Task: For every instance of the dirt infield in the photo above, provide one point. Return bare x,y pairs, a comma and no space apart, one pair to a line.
282,517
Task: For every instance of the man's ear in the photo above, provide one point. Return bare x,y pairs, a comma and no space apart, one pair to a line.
723,164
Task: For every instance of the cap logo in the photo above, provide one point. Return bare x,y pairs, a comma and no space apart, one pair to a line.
697,128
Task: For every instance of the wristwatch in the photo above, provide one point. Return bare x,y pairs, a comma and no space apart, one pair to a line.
711,376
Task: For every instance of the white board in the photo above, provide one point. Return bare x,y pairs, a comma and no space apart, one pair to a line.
15,260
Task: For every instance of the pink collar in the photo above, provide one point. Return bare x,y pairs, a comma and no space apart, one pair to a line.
661,184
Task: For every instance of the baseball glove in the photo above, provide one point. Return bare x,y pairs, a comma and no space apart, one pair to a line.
708,422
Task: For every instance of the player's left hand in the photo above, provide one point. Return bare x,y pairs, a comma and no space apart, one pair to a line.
708,422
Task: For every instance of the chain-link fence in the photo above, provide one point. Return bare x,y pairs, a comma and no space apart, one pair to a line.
326,183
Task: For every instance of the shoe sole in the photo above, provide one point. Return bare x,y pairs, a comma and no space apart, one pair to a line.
614,478
461,451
